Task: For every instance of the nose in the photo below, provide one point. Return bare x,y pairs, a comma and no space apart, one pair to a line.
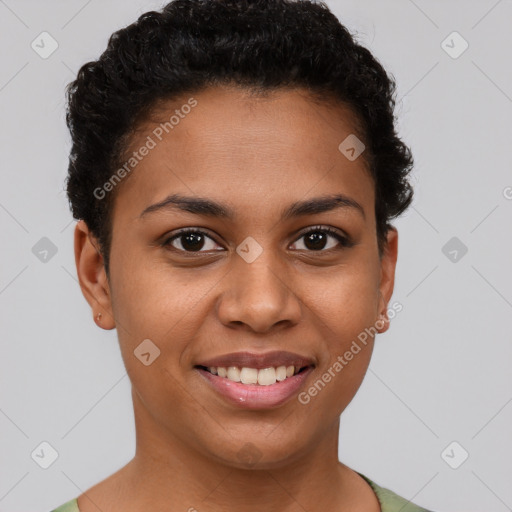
258,296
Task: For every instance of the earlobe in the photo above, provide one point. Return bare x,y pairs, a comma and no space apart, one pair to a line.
92,276
387,278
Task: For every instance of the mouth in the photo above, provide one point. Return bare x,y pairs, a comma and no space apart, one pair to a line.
253,361
256,381
254,376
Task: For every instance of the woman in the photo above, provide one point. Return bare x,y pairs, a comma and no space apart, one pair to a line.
234,171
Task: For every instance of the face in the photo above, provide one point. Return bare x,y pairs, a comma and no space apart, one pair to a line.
280,256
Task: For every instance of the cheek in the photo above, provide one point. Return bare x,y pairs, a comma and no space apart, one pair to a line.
164,306
153,297
347,313
154,315
346,301
346,307
329,394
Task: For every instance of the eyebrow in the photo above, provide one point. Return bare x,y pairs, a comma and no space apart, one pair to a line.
210,208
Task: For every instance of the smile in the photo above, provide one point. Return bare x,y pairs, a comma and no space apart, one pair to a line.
254,380
253,376
270,394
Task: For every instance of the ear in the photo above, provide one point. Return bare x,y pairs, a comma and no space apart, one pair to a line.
92,276
387,278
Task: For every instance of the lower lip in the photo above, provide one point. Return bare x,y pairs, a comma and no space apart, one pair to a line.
255,396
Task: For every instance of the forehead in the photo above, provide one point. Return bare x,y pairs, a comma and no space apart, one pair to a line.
247,146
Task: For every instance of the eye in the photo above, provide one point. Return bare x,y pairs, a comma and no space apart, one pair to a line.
316,238
190,240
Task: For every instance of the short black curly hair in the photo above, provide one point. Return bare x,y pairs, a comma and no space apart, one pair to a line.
261,45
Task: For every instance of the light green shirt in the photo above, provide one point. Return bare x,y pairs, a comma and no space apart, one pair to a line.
389,501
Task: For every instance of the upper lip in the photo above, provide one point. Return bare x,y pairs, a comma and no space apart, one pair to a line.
259,361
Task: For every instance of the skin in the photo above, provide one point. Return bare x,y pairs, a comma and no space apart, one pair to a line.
257,156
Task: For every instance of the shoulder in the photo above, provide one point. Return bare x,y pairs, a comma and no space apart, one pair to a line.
69,506
390,501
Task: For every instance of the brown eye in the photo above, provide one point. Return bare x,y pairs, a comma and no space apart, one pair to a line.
191,240
317,239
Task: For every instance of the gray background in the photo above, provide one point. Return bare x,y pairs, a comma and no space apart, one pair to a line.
442,371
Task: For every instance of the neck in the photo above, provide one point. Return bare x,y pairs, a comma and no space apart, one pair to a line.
170,472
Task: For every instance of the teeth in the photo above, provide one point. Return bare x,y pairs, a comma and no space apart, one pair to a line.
234,374
267,376
281,373
263,377
248,376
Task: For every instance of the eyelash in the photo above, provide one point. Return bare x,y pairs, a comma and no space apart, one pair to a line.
343,240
